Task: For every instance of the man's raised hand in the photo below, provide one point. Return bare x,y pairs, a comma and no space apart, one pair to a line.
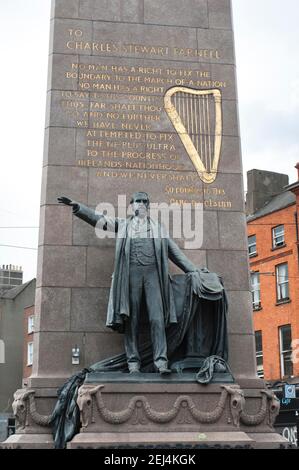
64,200
68,202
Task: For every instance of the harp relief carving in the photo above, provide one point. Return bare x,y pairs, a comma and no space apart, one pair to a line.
197,117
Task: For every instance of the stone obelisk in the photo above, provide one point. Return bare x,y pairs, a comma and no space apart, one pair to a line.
108,133
141,95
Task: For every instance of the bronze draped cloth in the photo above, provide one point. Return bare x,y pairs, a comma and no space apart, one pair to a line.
201,328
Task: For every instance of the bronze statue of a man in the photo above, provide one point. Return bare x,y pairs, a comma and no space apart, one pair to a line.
141,268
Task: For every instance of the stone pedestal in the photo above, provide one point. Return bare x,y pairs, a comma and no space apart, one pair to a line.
149,411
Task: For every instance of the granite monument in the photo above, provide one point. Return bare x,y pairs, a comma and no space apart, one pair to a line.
141,94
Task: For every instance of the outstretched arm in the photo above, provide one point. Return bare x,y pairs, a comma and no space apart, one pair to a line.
178,257
68,202
89,215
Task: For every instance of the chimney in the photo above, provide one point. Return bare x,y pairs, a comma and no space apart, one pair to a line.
261,187
297,168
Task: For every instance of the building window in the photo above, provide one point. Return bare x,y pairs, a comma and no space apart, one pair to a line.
282,282
2,352
30,324
252,245
256,291
29,354
278,236
259,354
285,341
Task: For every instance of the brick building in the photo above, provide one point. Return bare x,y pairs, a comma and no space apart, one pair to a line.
12,304
273,243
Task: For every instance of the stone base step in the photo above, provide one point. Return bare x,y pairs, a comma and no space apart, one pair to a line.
28,441
178,440
152,440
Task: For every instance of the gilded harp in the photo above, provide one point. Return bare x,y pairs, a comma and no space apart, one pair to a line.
197,117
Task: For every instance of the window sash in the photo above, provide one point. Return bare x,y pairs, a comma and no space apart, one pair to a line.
287,364
282,281
259,358
278,236
260,364
29,354
259,354
283,290
255,289
252,245
285,339
30,324
258,342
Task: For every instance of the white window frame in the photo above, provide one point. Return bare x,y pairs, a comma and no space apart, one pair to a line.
250,245
29,354
259,354
260,368
283,353
2,352
281,281
276,236
30,324
255,290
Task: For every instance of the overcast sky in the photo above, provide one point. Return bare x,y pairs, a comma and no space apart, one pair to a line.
266,37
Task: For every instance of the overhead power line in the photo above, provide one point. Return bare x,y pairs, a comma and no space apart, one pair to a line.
271,274
20,227
22,247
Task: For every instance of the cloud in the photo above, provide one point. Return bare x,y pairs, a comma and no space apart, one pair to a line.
266,44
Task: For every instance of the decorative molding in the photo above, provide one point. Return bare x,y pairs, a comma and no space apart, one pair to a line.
20,407
237,403
24,407
271,258
274,406
85,403
142,412
270,405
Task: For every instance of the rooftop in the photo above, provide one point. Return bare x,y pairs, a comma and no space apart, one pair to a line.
14,292
282,200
